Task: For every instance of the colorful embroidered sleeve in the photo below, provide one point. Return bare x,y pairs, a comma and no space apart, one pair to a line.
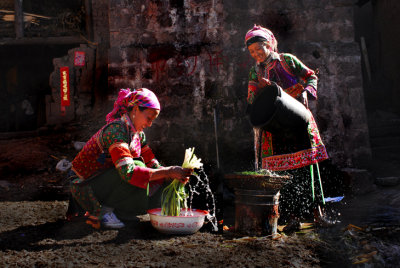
151,162
115,139
303,72
147,154
252,86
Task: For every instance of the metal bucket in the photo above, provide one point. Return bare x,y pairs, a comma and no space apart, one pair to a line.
277,112
256,212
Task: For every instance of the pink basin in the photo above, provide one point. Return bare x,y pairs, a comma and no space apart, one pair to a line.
188,223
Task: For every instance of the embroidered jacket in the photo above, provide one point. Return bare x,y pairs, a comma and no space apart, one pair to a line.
286,70
294,77
117,143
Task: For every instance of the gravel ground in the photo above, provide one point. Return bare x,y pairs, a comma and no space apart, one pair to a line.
35,234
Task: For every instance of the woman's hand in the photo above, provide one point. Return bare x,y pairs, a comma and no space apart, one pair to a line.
263,82
304,98
173,172
179,173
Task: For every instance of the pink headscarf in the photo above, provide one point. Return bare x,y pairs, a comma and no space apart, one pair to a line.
259,34
128,98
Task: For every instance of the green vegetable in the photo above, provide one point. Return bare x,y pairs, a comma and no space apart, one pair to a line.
174,196
173,199
255,173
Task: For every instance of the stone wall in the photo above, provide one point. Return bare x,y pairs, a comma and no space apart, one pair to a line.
81,87
88,83
101,38
173,48
191,53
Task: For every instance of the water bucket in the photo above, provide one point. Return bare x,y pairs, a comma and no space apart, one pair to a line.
277,112
256,212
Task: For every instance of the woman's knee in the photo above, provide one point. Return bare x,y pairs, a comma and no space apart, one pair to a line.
74,187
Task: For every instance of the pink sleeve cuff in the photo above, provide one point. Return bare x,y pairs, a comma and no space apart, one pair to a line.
140,177
312,91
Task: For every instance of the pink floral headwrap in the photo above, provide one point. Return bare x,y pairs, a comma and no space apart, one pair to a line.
261,34
128,98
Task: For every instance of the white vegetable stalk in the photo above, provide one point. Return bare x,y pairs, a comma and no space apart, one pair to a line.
174,196
191,160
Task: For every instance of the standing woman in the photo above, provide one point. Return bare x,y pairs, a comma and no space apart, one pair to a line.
116,172
298,81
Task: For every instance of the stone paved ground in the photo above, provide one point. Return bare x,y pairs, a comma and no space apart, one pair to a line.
35,234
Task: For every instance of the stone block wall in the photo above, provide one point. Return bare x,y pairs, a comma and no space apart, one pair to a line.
101,38
174,49
191,53
81,87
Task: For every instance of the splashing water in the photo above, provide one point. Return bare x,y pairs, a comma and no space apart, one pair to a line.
202,182
186,212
